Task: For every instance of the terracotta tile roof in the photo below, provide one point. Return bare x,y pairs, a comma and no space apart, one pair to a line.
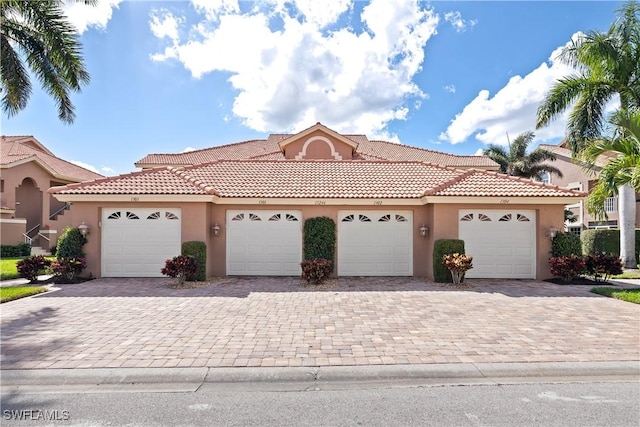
239,150
474,182
269,149
15,149
163,180
316,179
566,152
392,151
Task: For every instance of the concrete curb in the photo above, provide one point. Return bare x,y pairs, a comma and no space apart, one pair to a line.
304,378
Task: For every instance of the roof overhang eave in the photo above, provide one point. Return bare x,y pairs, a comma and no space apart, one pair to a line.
133,198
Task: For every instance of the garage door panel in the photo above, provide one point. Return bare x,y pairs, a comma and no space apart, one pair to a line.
375,243
502,242
264,242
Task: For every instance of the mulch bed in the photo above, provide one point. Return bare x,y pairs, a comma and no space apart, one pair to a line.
577,281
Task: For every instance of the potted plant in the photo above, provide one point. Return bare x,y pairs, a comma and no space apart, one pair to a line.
458,264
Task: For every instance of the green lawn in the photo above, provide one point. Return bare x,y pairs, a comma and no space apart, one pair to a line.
629,295
627,275
16,292
8,268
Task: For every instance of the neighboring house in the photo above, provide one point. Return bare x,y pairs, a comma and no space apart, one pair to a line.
28,213
248,202
575,177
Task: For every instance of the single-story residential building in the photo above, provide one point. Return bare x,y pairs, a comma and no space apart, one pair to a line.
27,212
248,202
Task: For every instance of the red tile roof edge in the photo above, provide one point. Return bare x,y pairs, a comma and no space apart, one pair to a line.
473,171
203,149
173,170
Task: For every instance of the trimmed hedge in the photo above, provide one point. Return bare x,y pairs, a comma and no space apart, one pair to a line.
566,244
441,248
15,251
604,241
70,244
197,250
320,239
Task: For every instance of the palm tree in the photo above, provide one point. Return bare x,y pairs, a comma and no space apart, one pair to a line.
624,166
608,69
38,36
516,161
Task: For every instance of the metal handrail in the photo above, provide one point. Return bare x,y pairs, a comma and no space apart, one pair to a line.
44,237
32,228
28,240
64,208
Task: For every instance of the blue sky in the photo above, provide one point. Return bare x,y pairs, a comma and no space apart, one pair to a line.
169,76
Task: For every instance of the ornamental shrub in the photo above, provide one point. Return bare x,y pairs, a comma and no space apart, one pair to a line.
457,264
67,270
566,244
14,251
441,248
197,250
320,239
30,268
180,266
602,266
567,267
70,244
316,269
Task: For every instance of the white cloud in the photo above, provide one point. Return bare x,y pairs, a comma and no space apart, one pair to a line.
479,152
186,150
512,109
107,169
165,24
461,25
85,165
450,88
83,16
290,72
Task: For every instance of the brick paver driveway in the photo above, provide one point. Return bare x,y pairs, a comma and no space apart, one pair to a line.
275,322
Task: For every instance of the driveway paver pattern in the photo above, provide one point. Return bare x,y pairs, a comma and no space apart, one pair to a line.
113,323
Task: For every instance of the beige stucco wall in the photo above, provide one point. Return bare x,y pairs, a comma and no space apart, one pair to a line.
318,149
445,226
419,217
198,218
195,226
12,230
573,173
37,206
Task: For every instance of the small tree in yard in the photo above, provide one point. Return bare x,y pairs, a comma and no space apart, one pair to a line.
180,266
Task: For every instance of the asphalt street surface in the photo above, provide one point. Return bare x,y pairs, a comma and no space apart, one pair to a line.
545,404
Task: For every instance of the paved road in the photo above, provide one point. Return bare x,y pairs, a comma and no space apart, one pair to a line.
581,404
119,323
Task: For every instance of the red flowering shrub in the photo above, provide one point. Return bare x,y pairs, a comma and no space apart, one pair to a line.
66,270
602,266
180,266
567,267
316,269
30,268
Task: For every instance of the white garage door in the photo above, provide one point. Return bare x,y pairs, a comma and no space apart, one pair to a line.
264,243
502,243
137,242
375,243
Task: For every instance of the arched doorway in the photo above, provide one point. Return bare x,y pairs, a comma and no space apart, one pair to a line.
29,204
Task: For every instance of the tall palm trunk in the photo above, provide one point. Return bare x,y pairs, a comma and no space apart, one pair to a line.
626,224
